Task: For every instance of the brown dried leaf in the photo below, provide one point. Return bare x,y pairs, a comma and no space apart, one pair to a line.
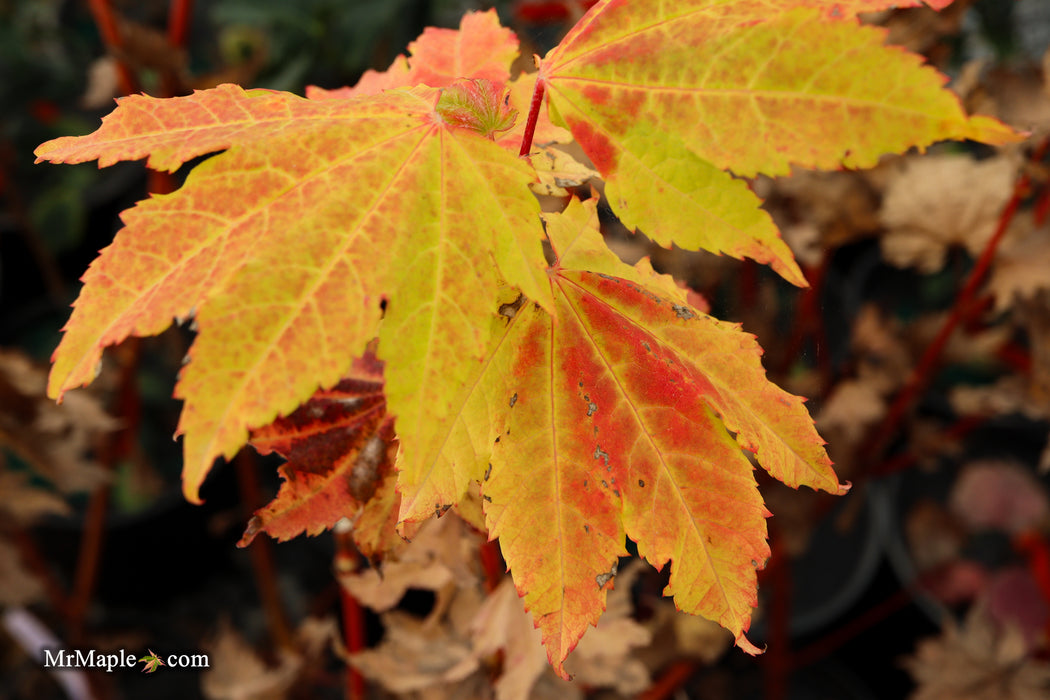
26,503
853,407
940,201
55,440
604,657
700,637
415,655
237,672
442,553
1034,314
1019,271
383,592
103,84
977,662
921,29
836,207
502,623
17,585
1008,395
1017,97
934,536
882,355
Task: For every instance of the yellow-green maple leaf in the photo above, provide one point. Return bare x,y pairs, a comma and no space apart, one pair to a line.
752,86
284,247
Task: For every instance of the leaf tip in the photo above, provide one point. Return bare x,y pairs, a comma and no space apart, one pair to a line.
46,147
790,271
746,646
994,132
191,490
255,526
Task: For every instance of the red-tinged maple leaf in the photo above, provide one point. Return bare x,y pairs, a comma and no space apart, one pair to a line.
752,86
284,247
480,48
340,446
479,105
619,414
441,56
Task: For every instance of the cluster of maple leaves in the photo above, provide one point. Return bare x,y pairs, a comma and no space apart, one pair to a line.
372,259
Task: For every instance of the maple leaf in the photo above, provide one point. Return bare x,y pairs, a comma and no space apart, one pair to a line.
152,662
340,446
480,48
619,412
557,170
293,274
747,85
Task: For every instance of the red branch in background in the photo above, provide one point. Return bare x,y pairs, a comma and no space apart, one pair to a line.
347,561
923,371
107,27
179,15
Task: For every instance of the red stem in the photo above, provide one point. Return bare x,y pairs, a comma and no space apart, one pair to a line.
492,563
112,449
179,16
261,552
107,27
1042,207
778,657
921,374
534,116
670,681
88,555
346,562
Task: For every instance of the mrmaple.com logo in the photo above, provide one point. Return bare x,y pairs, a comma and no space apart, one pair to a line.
78,658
